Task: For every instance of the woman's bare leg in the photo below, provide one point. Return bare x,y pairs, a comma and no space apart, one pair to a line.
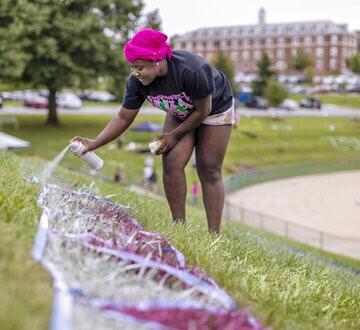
174,163
211,144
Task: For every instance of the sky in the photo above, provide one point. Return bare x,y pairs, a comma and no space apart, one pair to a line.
181,16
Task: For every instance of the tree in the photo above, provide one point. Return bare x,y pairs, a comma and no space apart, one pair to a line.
225,65
61,43
153,20
354,63
265,73
301,61
274,92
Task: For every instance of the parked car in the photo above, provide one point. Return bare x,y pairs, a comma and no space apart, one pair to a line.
310,103
37,102
68,100
353,89
100,96
15,96
245,94
289,104
96,96
257,102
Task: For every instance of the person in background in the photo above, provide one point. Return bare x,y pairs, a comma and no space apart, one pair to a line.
153,181
120,141
148,170
149,160
199,107
117,175
195,193
193,160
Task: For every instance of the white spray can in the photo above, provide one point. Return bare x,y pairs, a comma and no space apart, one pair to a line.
153,146
90,157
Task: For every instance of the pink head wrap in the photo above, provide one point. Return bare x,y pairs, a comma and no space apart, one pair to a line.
147,45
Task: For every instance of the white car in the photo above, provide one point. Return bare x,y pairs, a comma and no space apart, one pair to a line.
100,96
68,100
289,104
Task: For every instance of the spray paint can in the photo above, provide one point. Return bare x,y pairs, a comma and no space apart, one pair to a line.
153,146
90,157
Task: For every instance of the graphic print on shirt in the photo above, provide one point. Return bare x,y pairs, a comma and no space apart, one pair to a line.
179,105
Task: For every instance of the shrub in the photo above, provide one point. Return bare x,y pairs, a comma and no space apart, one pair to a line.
275,92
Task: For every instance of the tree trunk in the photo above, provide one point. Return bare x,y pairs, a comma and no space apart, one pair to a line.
52,116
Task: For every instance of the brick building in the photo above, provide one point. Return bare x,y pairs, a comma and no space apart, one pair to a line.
329,44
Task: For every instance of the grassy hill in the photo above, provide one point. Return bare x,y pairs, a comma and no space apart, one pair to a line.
285,284
257,143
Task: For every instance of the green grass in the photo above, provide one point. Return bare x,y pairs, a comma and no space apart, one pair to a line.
254,143
343,100
85,104
283,288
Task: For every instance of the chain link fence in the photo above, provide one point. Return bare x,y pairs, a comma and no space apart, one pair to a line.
340,245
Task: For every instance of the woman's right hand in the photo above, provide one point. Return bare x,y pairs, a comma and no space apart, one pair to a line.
89,144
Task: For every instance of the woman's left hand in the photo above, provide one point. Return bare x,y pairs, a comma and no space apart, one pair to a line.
169,141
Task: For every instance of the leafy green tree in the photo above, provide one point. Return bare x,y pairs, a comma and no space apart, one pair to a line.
275,92
301,61
354,63
225,65
153,20
63,43
265,73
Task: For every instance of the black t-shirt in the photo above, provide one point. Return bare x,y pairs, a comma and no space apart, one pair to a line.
188,78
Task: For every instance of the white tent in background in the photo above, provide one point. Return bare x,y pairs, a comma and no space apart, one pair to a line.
9,142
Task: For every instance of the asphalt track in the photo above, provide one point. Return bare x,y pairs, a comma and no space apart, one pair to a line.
328,204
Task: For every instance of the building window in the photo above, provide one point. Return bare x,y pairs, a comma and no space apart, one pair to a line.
319,52
280,53
293,51
319,64
333,63
281,41
334,39
234,55
308,40
280,65
245,55
333,51
268,42
295,41
257,54
246,43
320,39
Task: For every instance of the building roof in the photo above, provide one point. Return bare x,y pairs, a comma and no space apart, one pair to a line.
266,30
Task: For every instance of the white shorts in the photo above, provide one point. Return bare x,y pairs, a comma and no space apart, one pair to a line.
224,118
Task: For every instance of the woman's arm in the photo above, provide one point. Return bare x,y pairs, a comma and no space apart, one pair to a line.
116,126
203,108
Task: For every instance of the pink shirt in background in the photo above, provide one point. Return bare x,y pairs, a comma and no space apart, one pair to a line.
195,189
